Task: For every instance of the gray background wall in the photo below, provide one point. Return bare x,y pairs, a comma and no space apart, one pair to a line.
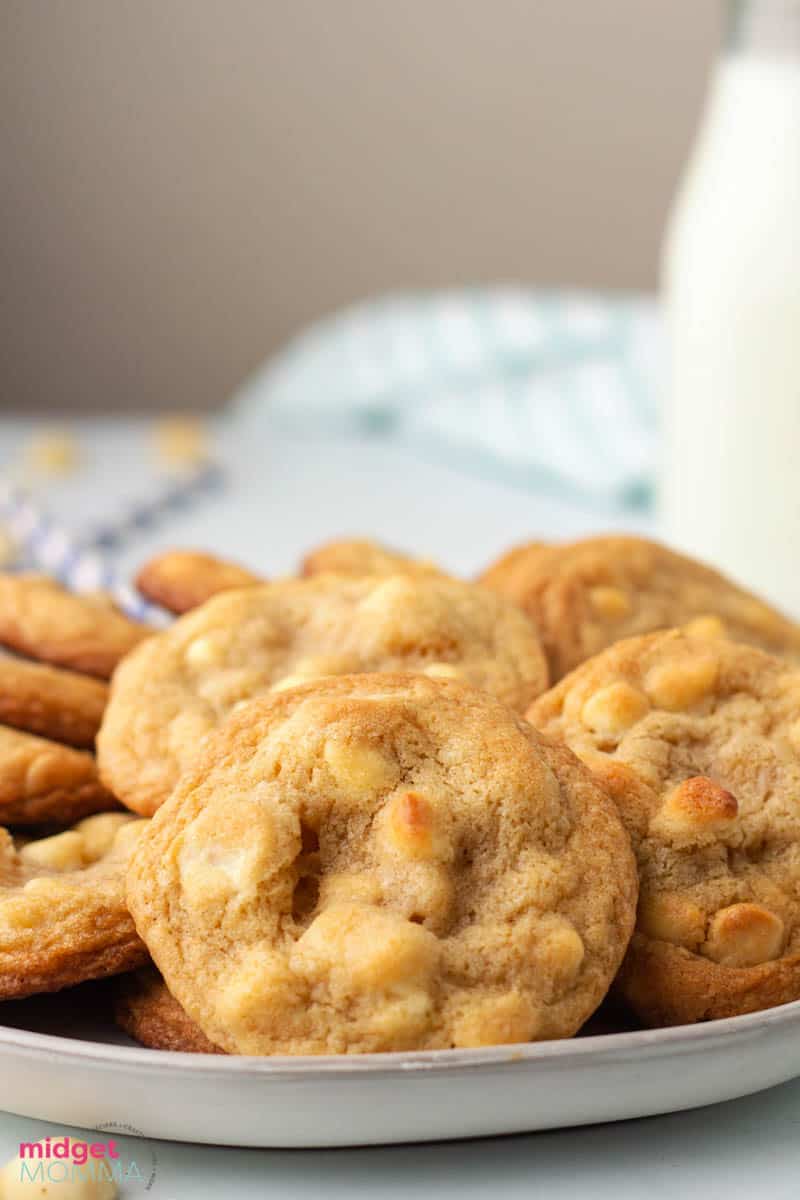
187,182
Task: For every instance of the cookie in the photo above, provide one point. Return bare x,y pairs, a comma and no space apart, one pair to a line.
63,917
40,618
384,862
698,740
44,782
148,1012
178,686
54,703
583,596
180,580
360,556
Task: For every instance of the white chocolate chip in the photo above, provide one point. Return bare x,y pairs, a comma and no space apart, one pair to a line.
320,666
744,935
562,948
697,806
410,827
679,685
206,651
614,709
500,1020
443,670
99,833
611,603
358,767
45,887
257,988
211,874
706,626
62,852
374,949
671,918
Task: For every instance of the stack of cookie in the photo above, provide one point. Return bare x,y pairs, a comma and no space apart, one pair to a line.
63,917
343,813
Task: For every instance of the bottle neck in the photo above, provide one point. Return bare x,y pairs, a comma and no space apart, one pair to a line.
764,27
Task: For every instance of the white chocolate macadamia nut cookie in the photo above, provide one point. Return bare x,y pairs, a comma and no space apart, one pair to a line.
384,862
584,596
180,580
63,917
179,686
361,556
698,740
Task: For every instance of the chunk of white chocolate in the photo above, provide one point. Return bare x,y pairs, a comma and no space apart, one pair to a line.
610,603
358,767
372,949
744,935
411,827
697,806
443,670
614,709
680,685
62,852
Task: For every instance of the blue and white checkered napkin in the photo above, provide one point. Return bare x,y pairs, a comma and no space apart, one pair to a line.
82,562
542,388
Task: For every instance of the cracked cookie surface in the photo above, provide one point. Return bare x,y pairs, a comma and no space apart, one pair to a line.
584,596
384,862
178,686
698,741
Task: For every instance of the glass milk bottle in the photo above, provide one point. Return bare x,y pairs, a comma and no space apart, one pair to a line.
730,485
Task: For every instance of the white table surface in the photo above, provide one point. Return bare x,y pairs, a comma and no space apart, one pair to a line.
284,494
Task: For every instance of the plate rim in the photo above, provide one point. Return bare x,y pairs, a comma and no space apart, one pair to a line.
563,1052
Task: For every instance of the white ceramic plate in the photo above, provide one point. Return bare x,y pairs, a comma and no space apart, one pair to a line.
89,1080
381,1098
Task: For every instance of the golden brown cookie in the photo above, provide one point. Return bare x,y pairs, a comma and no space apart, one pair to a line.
53,703
180,580
40,618
698,741
148,1012
63,917
178,686
384,862
360,556
44,782
583,596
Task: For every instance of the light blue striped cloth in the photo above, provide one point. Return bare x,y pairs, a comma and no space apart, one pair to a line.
83,561
548,389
